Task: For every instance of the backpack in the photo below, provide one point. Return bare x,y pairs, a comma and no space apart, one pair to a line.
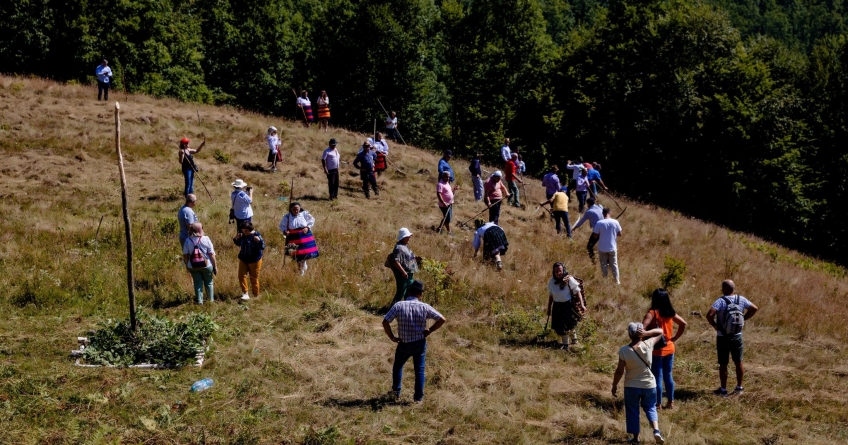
197,259
732,319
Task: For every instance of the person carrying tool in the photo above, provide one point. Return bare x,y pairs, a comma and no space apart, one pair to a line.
492,240
566,305
444,193
593,215
274,154
187,165
306,107
494,193
476,177
551,182
392,127
594,176
559,210
511,170
365,163
404,264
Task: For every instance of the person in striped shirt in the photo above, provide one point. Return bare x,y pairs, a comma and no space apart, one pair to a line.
411,315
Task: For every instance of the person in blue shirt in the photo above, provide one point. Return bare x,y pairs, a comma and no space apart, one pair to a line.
477,177
444,166
104,79
241,198
187,217
365,163
592,215
594,177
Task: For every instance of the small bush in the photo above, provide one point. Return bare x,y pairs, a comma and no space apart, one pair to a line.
439,284
517,325
157,340
168,226
674,275
220,156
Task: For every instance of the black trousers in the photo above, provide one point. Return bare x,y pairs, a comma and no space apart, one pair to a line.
102,89
368,178
590,246
333,182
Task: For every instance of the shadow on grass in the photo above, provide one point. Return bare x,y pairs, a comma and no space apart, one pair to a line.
373,403
254,167
688,394
594,399
312,198
375,308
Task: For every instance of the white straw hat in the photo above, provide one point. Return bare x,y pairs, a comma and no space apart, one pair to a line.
272,129
403,233
239,184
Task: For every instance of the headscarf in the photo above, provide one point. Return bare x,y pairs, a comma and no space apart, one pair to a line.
560,281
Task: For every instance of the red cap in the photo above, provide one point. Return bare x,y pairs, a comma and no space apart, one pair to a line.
184,141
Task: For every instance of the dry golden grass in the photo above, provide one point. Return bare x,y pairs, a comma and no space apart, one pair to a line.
311,353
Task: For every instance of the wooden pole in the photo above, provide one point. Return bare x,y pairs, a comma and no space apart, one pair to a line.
127,227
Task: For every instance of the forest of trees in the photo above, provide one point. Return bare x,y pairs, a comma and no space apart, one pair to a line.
728,110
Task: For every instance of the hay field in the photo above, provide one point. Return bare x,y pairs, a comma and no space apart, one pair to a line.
308,361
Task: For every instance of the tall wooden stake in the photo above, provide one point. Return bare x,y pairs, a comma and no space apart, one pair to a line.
127,227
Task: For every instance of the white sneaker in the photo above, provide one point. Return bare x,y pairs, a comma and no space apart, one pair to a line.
245,297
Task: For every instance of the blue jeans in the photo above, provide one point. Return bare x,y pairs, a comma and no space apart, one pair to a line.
478,188
189,181
633,399
560,216
661,368
416,350
203,278
581,200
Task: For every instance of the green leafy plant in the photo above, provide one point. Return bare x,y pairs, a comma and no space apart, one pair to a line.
220,156
439,276
674,274
168,226
157,340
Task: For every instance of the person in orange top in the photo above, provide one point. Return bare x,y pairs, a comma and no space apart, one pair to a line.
662,315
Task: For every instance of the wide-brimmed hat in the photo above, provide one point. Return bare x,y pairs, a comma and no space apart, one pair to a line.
416,288
497,173
239,184
272,129
332,141
403,233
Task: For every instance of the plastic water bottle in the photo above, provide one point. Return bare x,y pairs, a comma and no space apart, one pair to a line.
202,385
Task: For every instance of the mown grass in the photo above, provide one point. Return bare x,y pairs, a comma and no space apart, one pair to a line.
307,363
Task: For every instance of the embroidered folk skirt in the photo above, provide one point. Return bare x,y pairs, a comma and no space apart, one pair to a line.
307,110
306,246
323,111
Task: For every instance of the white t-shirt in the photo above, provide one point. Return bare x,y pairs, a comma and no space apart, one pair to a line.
608,229
563,295
273,142
205,245
575,170
303,101
382,146
391,122
323,100
331,156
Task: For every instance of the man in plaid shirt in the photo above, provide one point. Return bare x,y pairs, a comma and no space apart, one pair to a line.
412,316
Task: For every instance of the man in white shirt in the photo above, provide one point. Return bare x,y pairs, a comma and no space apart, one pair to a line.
104,79
506,154
606,231
330,161
392,127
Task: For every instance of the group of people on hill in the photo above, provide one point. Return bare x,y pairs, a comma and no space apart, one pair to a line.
645,364
304,105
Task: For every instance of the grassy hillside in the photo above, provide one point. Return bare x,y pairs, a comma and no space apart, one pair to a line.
308,362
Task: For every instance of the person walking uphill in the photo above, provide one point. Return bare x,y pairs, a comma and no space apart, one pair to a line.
559,209
492,240
274,154
444,165
511,170
566,305
187,165
330,162
494,193
593,215
607,231
241,198
199,258
634,363
186,217
663,316
365,163
251,245
476,177
404,264
297,227
727,316
551,182
444,194
411,315
104,79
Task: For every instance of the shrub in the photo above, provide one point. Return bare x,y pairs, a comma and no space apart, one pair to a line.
674,275
157,340
168,226
220,156
517,325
